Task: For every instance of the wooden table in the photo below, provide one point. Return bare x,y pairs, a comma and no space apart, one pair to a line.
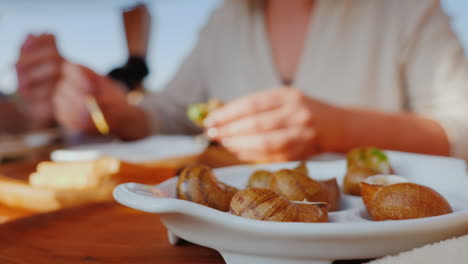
98,233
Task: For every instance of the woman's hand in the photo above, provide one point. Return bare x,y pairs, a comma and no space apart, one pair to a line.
38,70
275,125
76,84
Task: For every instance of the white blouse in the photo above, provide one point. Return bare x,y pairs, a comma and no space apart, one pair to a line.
390,55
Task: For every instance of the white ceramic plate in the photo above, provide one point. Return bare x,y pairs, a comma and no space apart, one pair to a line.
146,150
349,235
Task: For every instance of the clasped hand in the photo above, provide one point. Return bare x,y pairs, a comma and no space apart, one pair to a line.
276,125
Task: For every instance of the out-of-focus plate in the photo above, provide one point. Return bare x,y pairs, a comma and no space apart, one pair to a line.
349,234
161,147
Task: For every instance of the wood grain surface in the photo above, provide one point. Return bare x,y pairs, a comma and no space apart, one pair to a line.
98,233
95,233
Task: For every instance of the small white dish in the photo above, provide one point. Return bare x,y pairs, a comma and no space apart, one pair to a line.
150,149
348,235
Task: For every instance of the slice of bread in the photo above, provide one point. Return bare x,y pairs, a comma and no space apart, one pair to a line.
56,185
93,174
19,194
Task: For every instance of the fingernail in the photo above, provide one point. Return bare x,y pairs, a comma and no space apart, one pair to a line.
212,132
28,43
209,122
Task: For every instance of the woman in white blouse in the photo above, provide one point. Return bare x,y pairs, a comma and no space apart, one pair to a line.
303,77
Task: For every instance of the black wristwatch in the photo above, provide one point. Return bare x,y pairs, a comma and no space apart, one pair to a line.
132,73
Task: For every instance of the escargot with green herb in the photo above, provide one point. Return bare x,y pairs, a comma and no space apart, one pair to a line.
198,112
363,163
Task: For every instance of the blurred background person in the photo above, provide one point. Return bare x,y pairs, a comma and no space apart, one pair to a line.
385,73
11,119
31,108
38,71
39,67
137,24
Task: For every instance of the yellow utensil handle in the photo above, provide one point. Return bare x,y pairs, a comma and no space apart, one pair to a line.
96,115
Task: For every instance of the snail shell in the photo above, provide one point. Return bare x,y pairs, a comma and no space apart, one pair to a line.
354,176
264,204
333,193
330,192
407,201
198,184
260,179
368,192
302,168
373,184
264,178
296,185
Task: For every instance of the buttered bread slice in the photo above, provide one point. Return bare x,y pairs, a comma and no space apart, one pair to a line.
19,194
92,174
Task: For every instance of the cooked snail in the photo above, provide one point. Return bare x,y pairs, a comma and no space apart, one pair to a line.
198,184
302,168
330,190
264,204
333,193
198,112
296,185
401,200
260,179
374,184
363,163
